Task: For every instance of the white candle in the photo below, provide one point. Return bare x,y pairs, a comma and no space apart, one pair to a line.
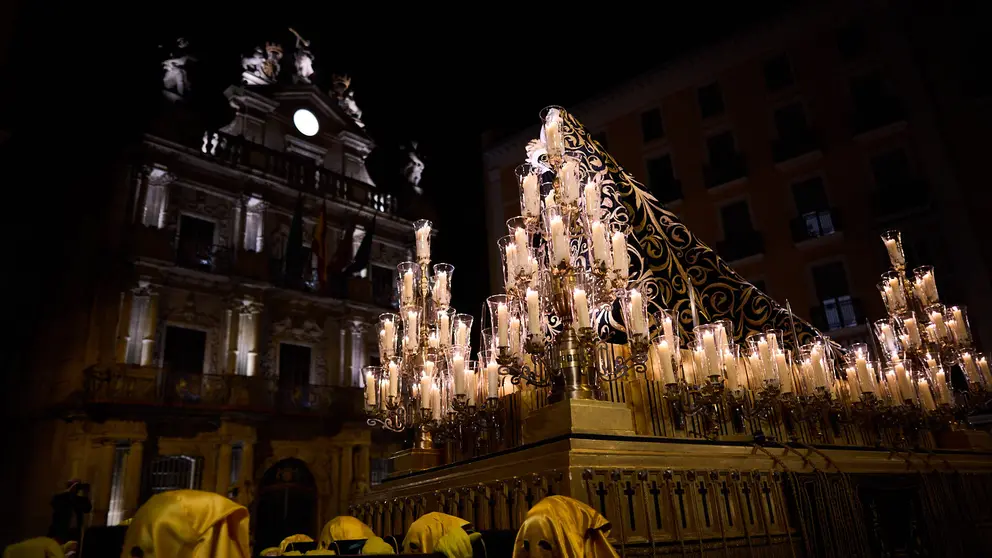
523,247
772,343
712,358
458,371
394,379
461,335
600,244
983,367
895,254
559,242
926,398
970,370
893,383
511,264
515,336
570,181
444,329
852,384
960,327
938,323
899,297
502,323
784,374
549,200
432,341
533,313
819,374
930,286
436,402
864,379
472,385
369,389
552,130
905,382
731,364
581,303
668,372
666,325
887,337
425,387
441,288
765,355
621,261
638,321
424,243
532,196
407,287
942,390
757,373
914,331
389,337
492,379
413,339
592,200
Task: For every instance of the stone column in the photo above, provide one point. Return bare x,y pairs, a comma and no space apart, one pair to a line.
223,467
132,478
102,479
344,483
255,308
363,466
230,344
123,322
344,346
357,352
151,322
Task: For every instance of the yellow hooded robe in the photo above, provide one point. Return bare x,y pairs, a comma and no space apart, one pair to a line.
38,547
424,533
561,526
189,524
344,528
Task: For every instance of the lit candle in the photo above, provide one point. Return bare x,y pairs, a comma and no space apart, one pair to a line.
852,384
436,402
731,365
895,254
667,371
444,329
570,181
458,371
515,336
549,200
407,286
394,379
893,383
600,244
581,303
559,242
712,358
502,323
369,389
592,200
970,370
511,264
492,379
914,331
638,321
552,130
960,327
926,398
983,367
757,372
432,341
389,336
413,339
905,382
424,243
765,355
887,337
621,261
861,365
532,196
938,323
816,363
930,286
899,298
472,385
533,313
784,373
426,381
942,390
523,247
441,288
461,335
666,325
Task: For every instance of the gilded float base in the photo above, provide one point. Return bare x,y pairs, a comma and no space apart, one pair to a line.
578,416
411,460
964,439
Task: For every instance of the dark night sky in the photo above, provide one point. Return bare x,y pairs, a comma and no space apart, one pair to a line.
87,80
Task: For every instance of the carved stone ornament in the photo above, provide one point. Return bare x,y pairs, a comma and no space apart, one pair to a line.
309,332
262,66
190,314
345,95
175,80
304,59
414,168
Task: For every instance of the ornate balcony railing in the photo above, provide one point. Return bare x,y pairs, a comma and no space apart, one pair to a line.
154,387
296,171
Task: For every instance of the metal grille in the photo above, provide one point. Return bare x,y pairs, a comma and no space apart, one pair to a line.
175,472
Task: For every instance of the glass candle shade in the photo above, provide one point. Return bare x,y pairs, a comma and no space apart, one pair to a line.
591,201
583,294
859,360
665,359
389,326
925,285
910,334
535,317
937,330
441,284
557,232
411,327
499,314
893,289
707,353
571,177
528,178
893,247
408,282
553,133
888,340
461,329
634,306
422,234
818,367
370,376
956,320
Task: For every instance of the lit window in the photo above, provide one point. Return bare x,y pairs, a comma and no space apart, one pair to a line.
254,225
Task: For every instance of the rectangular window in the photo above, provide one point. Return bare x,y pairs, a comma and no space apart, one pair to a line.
175,472
710,99
810,195
384,286
790,121
891,170
661,179
721,148
295,363
245,356
137,328
196,242
237,454
185,350
736,219
651,125
830,282
116,511
254,237
600,138
778,73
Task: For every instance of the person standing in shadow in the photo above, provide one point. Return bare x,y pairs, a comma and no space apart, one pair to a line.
68,509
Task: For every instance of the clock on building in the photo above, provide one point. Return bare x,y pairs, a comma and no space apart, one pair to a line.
306,122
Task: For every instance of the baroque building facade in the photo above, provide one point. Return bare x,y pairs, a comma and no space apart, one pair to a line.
221,350
786,146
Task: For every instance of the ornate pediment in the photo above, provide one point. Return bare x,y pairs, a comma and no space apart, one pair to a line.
308,331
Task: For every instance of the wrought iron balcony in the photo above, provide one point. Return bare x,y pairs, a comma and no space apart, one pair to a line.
726,170
296,171
203,256
816,224
740,245
128,385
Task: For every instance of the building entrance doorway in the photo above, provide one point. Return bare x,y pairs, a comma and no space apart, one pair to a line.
286,504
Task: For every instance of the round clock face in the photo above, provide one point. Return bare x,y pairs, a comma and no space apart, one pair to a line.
306,122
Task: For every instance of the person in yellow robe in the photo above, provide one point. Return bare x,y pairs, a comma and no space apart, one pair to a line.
563,527
440,532
347,531
284,545
189,524
38,547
